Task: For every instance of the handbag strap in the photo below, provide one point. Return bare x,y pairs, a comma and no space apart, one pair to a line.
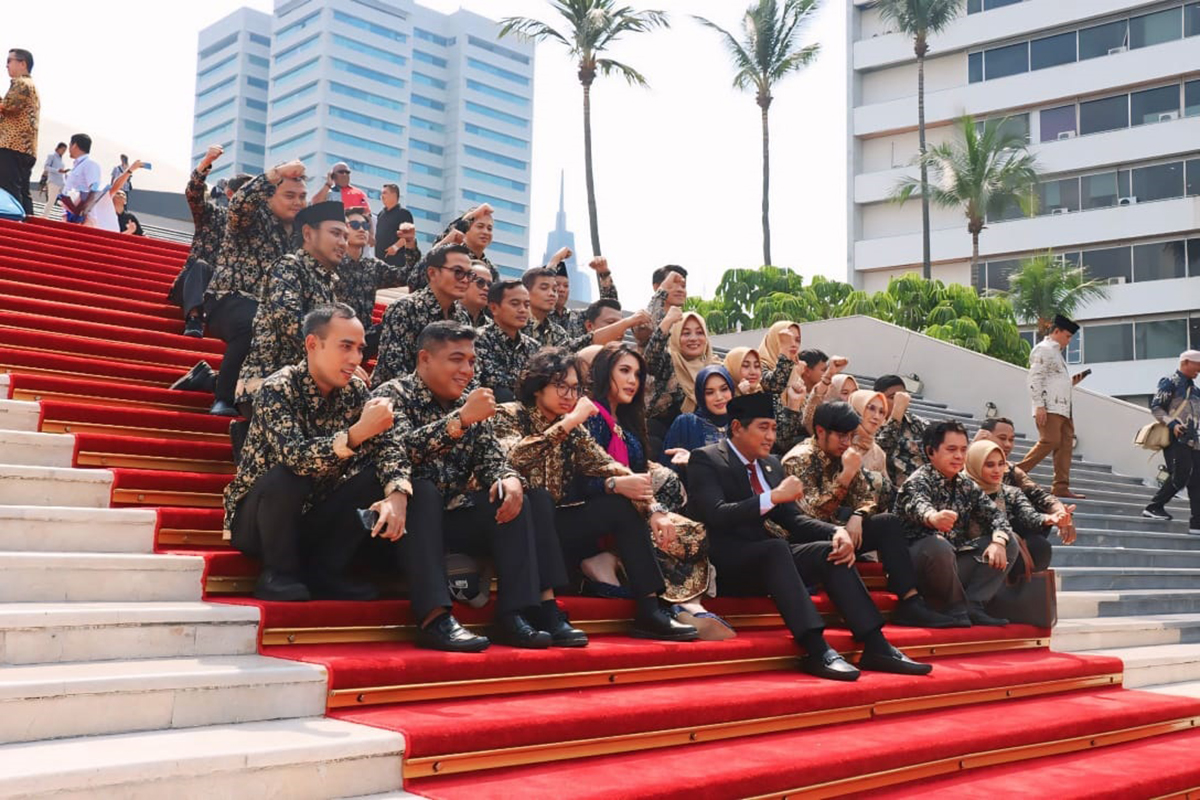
1027,558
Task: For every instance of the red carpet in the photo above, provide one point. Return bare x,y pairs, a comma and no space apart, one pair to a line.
86,331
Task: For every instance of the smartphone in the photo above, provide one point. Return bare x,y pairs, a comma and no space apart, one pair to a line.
369,518
1084,374
147,165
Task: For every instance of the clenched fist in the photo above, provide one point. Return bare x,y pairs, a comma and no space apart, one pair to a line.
376,417
788,490
480,405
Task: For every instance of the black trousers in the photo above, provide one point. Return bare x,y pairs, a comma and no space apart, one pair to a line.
524,556
884,533
782,570
580,528
190,285
1183,462
271,525
231,318
15,169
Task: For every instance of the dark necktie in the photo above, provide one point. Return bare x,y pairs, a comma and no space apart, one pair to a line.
755,483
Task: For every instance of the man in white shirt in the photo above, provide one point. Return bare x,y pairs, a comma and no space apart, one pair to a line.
94,201
1050,386
56,176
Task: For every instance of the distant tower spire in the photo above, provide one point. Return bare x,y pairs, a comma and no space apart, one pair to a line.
581,285
560,222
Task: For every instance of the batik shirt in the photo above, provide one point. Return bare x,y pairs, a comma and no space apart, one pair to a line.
499,358
455,465
1021,514
400,327
359,279
927,491
208,219
547,455
1034,492
297,285
571,319
295,426
19,121
254,240
824,494
419,277
901,443
1177,401
547,333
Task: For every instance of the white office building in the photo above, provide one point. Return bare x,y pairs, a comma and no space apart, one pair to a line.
432,102
1108,93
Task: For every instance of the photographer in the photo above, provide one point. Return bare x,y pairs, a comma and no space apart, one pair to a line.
1176,404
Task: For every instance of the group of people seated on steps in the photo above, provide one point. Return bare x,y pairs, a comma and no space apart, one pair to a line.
574,450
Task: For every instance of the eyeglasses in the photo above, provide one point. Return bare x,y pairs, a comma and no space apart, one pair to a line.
341,172
482,283
566,390
460,275
359,226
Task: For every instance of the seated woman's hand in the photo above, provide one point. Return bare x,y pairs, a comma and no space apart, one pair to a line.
679,455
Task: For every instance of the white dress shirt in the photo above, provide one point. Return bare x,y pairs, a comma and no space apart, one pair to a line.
54,163
85,177
764,500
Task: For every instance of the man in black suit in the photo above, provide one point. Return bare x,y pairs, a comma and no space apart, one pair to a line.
740,492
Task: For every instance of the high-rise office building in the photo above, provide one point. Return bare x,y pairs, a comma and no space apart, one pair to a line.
431,102
1107,93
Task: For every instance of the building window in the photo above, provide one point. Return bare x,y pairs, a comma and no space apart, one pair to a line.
440,41
256,83
422,56
509,227
498,50
1111,264
1193,178
498,202
1099,191
1157,28
216,87
368,97
1159,182
1028,336
1102,343
1154,105
1004,61
421,213
1103,40
424,169
975,67
305,67
499,94
307,113
257,127
297,48
1165,338
251,147
428,80
494,114
495,157
428,125
1159,262
1015,125
417,144
296,140
258,61
424,191
255,38
419,100
371,27
1109,114
1057,197
976,6
365,144
497,136
1052,51
1058,123
508,249
370,74
257,105
1193,248
218,46
1191,19
297,26
507,183
367,169
212,133
998,273
294,94
491,69
209,70
1191,98
366,49
363,119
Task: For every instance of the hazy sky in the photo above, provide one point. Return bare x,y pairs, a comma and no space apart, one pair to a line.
678,167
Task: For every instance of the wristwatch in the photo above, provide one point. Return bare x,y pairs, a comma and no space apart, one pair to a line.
658,508
454,427
610,485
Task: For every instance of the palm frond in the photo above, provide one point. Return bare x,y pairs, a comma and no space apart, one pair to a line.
530,30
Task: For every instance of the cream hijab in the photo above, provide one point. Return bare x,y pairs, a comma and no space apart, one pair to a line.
839,382
770,348
874,458
687,369
977,454
733,363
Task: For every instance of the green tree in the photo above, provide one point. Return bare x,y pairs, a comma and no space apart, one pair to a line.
1045,285
987,170
919,19
592,26
766,53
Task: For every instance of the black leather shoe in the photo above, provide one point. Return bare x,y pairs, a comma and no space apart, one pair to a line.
199,378
551,619
659,624
281,588
222,409
514,630
980,617
829,665
892,660
444,633
342,588
914,613
194,327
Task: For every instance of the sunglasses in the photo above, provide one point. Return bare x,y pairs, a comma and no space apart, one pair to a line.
359,226
341,172
482,283
460,275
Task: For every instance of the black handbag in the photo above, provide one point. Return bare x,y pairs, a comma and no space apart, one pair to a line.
1028,598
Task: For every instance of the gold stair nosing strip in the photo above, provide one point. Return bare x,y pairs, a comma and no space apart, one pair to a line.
985,758
92,459
375,695
474,761
11,368
85,337
60,426
1183,794
189,536
119,360
155,497
70,397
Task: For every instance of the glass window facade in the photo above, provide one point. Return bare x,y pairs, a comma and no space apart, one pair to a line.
1165,338
424,191
1154,105
255,38
1000,62
499,94
1103,343
428,125
204,73
257,105
218,45
427,147
1192,185
368,50
304,23
1157,28
420,100
365,168
427,36
369,97
255,83
508,249
419,78
363,119
487,155
1159,182
496,49
492,69
511,119
1160,261
1103,40
497,202
1108,264
424,169
1052,51
295,94
1191,98
1108,114
1056,197
297,48
1191,19
365,144
370,27
975,67
216,87
290,119
295,141
294,71
1058,123
364,72
498,180
496,136
428,58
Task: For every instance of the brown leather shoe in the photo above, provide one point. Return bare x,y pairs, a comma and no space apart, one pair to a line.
1069,495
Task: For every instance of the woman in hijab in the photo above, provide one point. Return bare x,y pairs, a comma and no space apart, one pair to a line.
674,361
777,354
872,408
745,367
707,425
986,464
843,386
618,391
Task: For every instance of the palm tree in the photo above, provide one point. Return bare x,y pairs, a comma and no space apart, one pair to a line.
592,26
918,19
988,170
1045,285
765,55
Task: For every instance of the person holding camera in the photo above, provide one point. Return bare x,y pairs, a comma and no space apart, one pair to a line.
1176,404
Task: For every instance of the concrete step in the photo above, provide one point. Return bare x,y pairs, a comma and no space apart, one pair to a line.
1127,602
1157,664
1104,578
54,486
1087,484
83,530
50,701
98,577
1129,506
18,415
1093,537
1124,557
37,449
1044,474
1183,689
1128,520
41,633
1133,495
1075,635
296,759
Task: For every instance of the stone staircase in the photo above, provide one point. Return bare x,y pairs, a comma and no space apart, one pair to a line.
117,681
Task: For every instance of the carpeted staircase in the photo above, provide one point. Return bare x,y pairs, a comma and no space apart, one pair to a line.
133,663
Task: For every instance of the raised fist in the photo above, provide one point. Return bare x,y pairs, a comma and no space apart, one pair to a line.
480,405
